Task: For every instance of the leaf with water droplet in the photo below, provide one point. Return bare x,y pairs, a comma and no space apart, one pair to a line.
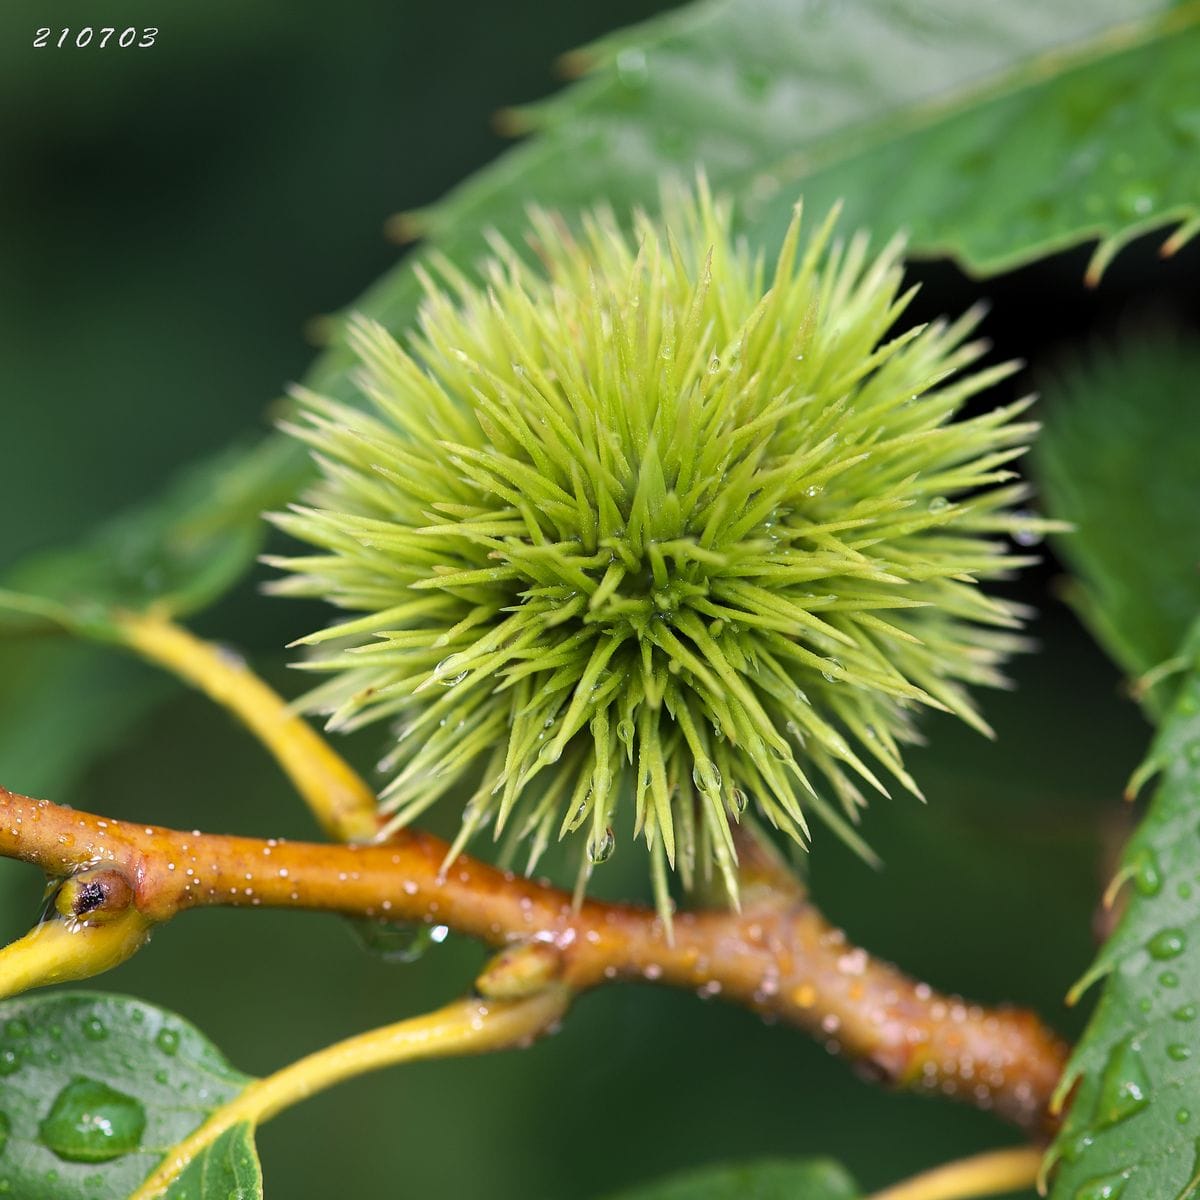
1135,1078
92,1122
96,1096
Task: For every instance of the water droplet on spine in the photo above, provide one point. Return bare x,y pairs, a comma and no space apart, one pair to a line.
600,848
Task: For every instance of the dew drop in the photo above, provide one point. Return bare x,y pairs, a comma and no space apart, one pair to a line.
18,1027
393,941
94,1029
1186,1012
738,801
625,731
1136,201
706,776
447,672
91,1122
1168,944
1105,1187
10,1061
1027,534
1179,1052
1074,1149
1183,1116
1147,877
835,670
1169,979
167,1040
939,504
1124,1087
600,848
714,365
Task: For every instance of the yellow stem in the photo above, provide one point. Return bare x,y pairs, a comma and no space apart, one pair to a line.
335,794
466,1027
58,951
990,1174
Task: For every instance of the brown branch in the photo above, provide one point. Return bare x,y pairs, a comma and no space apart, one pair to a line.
778,956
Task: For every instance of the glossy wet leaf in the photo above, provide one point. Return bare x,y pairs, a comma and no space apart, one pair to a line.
1134,1123
993,133
1120,457
802,1179
95,1089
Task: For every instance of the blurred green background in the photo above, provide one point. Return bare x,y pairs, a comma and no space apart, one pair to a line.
172,219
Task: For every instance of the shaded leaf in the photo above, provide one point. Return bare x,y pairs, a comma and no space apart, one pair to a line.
1119,457
95,1089
179,551
1134,1122
226,1170
61,704
767,1179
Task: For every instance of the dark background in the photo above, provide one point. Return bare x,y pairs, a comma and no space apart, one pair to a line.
171,219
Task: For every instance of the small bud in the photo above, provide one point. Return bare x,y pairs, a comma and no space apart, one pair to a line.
94,896
519,972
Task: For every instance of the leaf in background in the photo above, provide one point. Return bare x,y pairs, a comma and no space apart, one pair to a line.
804,1179
62,703
1133,1125
95,1089
1120,457
996,132
179,552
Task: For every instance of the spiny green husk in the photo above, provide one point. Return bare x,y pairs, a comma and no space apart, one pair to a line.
646,525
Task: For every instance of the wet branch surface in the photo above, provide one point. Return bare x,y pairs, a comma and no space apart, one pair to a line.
778,956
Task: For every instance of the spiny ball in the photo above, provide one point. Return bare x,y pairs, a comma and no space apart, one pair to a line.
643,530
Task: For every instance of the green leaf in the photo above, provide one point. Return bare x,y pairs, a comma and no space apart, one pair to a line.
995,133
226,1170
1035,125
178,552
766,1179
1134,1122
1118,457
95,1089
